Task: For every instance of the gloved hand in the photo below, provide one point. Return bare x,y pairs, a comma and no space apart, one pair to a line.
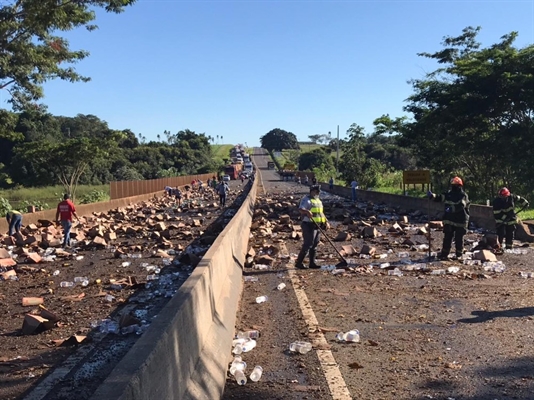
429,194
448,209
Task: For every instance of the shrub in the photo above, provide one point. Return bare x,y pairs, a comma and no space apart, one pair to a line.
94,196
5,206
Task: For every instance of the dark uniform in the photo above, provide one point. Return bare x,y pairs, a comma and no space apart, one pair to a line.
505,216
310,233
455,218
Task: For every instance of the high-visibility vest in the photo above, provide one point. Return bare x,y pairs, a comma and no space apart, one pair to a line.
317,211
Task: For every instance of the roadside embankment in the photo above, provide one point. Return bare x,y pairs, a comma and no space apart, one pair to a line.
482,216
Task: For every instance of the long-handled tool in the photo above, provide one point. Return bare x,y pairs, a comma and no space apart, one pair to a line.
342,264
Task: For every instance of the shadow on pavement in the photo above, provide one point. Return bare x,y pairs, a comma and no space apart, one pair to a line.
511,380
483,316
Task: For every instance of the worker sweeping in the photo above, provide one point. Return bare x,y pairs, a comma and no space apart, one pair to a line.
311,212
455,218
505,216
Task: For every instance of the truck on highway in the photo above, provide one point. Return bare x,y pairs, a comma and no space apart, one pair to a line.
270,164
233,170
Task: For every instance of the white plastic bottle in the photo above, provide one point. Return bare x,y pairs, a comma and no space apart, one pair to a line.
300,347
240,377
248,345
281,286
261,299
255,375
350,336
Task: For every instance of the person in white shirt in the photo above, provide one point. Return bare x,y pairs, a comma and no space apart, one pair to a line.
354,186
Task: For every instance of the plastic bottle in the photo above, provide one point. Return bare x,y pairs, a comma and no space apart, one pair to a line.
350,336
237,364
240,377
281,286
56,272
438,272
253,334
300,347
66,284
85,282
251,279
261,299
395,272
255,375
79,279
248,345
238,348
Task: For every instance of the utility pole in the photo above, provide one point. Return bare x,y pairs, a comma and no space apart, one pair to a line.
337,153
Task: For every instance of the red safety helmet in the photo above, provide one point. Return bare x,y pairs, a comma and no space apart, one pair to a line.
456,181
504,192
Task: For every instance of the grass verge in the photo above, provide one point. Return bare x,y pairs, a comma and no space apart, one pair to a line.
49,195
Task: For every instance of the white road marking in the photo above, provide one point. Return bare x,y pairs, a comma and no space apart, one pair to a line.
336,383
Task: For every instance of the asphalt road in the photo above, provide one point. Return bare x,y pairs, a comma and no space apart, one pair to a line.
463,335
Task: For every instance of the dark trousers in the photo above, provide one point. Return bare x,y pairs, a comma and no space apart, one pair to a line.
67,225
222,199
311,237
14,224
506,231
353,194
451,232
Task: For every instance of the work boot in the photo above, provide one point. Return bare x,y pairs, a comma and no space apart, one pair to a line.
443,256
299,262
312,260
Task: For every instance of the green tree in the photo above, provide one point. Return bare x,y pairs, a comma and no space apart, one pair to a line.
278,140
474,115
31,52
68,160
314,159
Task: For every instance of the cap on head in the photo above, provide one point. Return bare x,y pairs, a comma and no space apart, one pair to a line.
456,181
504,192
316,188
66,196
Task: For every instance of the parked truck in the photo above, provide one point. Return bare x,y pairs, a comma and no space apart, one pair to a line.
233,170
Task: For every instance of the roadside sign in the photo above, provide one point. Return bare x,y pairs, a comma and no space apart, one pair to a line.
415,177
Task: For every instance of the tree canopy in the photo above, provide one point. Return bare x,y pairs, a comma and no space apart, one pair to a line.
474,116
42,149
278,140
31,52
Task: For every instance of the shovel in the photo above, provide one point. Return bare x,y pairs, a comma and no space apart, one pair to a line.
342,264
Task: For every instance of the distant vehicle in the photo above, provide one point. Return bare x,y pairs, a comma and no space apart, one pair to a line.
233,170
270,164
226,177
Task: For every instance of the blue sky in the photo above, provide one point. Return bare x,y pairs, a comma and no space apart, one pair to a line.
238,69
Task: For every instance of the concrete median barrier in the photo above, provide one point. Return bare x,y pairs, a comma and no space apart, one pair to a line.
184,353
